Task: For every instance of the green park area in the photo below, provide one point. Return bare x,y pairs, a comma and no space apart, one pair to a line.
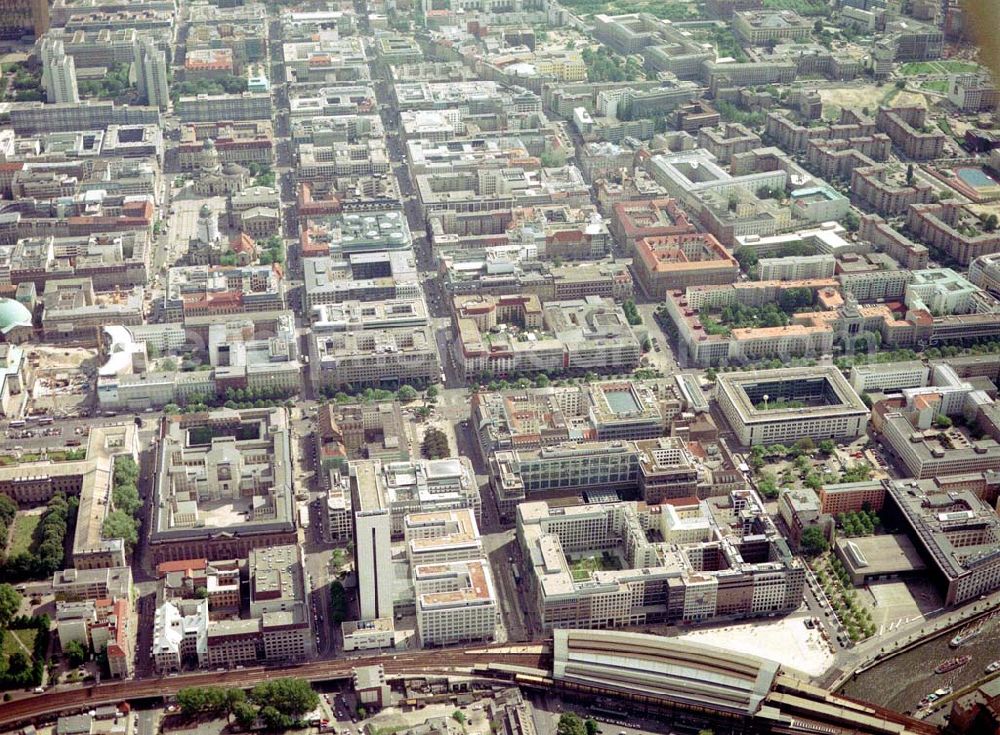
915,68
585,566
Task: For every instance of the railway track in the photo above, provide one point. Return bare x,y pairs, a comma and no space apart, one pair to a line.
434,662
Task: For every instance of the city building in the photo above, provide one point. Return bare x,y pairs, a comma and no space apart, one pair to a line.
417,486
800,509
223,485
889,377
373,357
215,107
58,73
581,334
782,406
851,497
797,268
24,17
592,566
456,602
89,479
206,627
956,532
759,26
668,262
150,64
73,311
537,417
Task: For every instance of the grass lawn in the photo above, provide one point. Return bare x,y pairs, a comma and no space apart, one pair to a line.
939,86
27,636
582,568
11,645
918,67
937,67
24,532
958,67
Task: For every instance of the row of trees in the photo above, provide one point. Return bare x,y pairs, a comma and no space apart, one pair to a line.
8,511
632,313
123,522
338,602
114,85
835,581
224,85
278,704
605,66
271,249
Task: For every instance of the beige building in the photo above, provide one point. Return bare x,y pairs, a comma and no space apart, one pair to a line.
673,262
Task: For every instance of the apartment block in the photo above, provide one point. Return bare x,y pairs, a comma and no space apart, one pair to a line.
796,268
908,253
885,190
905,125
211,108
946,226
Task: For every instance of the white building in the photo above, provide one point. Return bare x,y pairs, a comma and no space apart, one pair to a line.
784,405
372,545
797,268
456,602
889,377
58,73
151,73
441,537
368,635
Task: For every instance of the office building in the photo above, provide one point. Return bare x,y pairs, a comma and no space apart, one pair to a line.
889,377
796,268
956,531
372,549
456,602
417,486
389,356
640,582
89,479
223,485
851,497
782,406
670,262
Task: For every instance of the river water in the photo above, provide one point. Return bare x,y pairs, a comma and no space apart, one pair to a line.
901,682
